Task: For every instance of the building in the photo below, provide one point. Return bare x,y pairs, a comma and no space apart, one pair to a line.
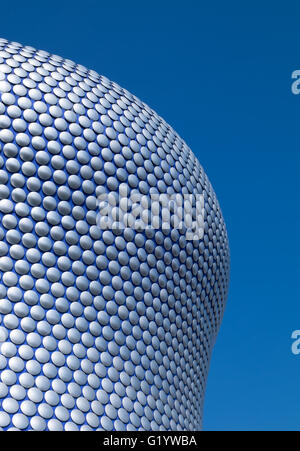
114,256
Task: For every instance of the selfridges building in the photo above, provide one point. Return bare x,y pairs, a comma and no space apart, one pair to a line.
114,259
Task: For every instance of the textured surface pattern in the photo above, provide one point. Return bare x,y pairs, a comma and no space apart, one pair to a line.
108,330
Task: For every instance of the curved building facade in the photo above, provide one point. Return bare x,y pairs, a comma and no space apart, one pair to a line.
114,260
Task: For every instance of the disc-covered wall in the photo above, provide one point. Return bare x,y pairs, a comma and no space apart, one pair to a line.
99,329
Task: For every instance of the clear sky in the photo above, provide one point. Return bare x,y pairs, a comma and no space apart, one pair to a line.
220,73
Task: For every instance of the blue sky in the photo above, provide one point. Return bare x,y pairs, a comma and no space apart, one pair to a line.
220,74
